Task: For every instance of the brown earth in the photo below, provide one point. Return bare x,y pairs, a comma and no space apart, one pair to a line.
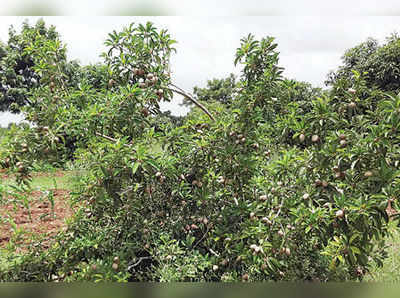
39,221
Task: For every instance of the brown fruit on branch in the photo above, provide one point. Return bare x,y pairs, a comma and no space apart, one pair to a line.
352,105
111,83
339,175
145,112
266,220
263,267
224,262
159,92
302,138
339,214
315,138
252,215
368,174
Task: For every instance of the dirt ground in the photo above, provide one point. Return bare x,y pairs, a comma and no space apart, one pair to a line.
20,225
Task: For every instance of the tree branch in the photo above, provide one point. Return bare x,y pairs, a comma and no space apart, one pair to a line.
108,138
189,97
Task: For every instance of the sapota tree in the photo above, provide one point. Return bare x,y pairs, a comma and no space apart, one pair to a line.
259,190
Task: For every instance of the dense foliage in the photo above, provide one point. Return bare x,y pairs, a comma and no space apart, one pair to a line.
287,183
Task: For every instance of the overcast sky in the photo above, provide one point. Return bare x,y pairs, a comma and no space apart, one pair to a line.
200,7
309,46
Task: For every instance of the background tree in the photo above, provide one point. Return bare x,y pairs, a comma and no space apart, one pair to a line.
379,64
17,76
219,90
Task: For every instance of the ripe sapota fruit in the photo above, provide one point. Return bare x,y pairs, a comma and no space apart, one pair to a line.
318,182
111,83
315,138
302,137
339,214
145,112
352,105
159,92
368,174
115,266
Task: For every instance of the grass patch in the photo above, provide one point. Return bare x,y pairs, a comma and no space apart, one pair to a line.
390,272
50,180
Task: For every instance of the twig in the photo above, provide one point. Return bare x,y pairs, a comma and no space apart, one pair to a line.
138,262
213,252
201,239
185,94
108,138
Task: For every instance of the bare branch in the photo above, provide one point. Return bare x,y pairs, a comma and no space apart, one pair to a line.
180,91
138,262
108,138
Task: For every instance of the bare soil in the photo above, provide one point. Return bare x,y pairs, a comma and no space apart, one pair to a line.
40,221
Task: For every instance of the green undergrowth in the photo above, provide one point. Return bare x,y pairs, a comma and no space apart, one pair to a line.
390,271
49,181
